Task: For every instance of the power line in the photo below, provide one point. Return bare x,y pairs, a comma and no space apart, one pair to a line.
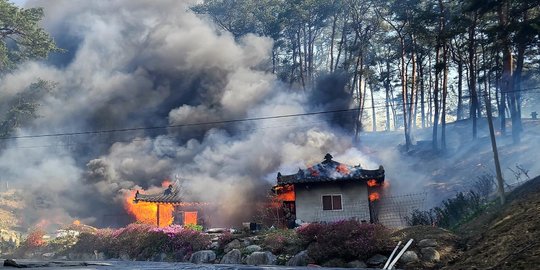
92,132
105,131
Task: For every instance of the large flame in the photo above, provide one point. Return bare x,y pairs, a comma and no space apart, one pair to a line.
145,212
374,196
285,193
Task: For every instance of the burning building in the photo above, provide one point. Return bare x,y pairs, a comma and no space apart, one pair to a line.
162,209
330,191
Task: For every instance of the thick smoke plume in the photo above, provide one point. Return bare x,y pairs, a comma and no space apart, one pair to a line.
154,63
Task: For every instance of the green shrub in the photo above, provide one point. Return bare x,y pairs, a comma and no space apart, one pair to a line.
282,241
452,211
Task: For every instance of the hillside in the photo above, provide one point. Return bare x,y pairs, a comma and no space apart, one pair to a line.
504,238
442,174
10,202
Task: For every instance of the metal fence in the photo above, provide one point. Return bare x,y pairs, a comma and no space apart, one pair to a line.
393,210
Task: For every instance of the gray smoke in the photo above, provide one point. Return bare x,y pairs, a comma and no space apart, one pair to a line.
140,63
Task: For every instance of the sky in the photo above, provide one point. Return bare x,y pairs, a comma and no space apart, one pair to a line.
19,2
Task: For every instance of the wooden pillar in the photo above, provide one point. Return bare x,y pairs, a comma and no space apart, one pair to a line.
157,215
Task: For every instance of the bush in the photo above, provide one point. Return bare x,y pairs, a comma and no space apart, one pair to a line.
143,242
32,243
224,239
34,240
308,233
419,217
452,211
282,241
347,240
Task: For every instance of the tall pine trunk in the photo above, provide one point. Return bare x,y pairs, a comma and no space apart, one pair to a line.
472,74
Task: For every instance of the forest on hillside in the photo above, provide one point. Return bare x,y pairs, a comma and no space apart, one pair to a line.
428,61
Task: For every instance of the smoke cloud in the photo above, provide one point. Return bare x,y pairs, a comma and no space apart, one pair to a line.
140,63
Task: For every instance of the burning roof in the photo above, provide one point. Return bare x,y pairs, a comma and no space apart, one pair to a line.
170,195
331,171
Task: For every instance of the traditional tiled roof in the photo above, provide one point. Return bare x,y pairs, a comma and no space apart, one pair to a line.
170,195
331,171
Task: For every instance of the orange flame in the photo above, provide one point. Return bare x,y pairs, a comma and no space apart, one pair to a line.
341,168
190,218
374,196
286,193
77,222
372,183
145,212
166,183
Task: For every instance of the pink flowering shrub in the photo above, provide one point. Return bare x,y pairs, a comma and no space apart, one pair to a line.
143,242
224,239
347,240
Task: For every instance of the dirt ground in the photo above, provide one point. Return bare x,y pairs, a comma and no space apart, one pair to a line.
504,238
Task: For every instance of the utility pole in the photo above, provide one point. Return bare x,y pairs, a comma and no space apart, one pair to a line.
500,182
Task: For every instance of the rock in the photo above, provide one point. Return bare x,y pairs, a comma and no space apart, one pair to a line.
335,263
124,256
234,244
232,257
48,255
430,254
86,256
427,243
252,248
408,257
12,263
378,259
99,256
203,256
261,258
159,257
214,245
357,264
300,259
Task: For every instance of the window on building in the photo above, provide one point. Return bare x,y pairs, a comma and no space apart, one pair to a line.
331,202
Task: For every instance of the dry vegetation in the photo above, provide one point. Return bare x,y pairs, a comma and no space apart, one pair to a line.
10,202
505,238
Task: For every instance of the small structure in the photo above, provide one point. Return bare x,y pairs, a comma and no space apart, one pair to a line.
534,115
188,214
330,191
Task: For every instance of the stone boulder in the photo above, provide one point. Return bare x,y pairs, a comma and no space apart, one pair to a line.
232,257
377,260
87,256
356,264
430,254
300,259
234,244
252,248
48,255
203,256
427,243
261,258
408,257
